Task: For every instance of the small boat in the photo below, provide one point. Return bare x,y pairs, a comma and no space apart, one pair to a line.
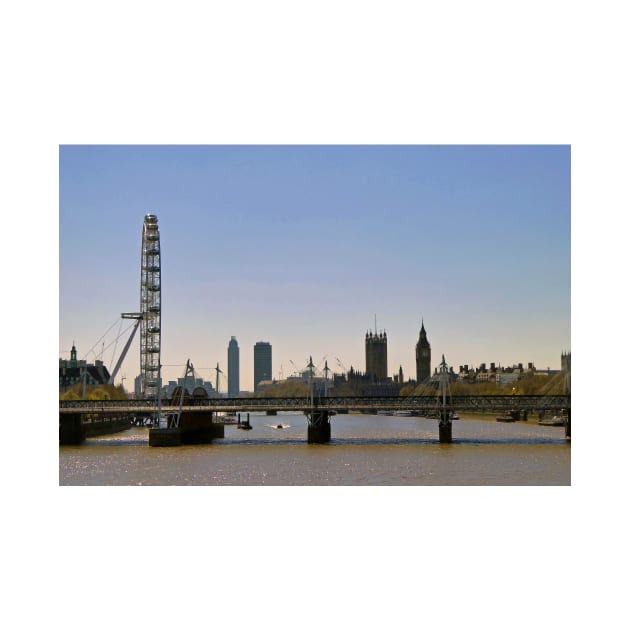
556,421
455,416
506,419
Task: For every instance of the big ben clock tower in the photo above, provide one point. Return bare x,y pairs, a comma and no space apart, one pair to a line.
423,357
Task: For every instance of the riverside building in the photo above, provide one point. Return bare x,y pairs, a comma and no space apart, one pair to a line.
80,371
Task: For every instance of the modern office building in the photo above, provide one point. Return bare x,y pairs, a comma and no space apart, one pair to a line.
376,355
423,357
233,369
262,363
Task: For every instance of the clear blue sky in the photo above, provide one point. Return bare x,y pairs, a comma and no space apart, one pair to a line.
302,245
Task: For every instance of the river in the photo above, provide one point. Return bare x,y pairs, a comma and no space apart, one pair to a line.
364,450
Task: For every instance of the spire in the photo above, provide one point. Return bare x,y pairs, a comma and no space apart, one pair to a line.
423,334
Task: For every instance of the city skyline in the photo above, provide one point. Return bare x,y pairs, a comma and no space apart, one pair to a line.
341,73
304,245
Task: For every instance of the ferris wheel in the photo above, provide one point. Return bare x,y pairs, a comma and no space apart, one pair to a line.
150,305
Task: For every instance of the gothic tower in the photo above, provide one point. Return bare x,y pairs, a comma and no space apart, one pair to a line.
376,355
423,356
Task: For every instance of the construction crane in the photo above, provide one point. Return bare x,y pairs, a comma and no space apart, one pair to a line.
341,365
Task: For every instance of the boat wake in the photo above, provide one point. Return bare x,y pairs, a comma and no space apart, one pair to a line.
278,426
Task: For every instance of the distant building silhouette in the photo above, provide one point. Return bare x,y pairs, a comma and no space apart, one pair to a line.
193,386
137,386
233,369
423,356
262,363
73,371
565,361
354,383
376,355
503,375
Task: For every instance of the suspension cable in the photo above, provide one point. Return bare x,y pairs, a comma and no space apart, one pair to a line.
116,342
102,337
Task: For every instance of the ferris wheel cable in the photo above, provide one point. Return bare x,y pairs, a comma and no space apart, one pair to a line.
116,340
102,336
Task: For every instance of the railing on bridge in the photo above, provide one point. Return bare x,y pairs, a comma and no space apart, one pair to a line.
489,403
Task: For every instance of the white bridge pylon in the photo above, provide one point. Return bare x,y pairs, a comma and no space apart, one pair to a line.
138,317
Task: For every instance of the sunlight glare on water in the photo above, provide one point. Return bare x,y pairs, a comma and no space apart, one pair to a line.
364,450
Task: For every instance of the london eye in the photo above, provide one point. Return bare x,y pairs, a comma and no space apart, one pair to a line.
150,306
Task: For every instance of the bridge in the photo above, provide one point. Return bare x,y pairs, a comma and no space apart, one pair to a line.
317,409
488,404
196,420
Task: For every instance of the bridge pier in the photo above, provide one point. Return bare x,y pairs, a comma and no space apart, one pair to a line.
74,428
445,427
567,425
71,428
194,428
165,436
318,431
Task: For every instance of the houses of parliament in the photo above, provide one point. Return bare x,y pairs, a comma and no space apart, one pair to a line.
376,381
376,357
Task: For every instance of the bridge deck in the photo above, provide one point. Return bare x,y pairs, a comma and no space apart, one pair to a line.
553,403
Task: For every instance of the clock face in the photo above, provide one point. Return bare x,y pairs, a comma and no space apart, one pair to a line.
425,353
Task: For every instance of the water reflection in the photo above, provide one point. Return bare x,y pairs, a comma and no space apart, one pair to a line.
364,450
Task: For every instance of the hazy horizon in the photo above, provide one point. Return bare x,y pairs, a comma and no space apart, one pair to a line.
302,246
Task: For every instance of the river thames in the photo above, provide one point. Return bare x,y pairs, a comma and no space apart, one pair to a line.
364,450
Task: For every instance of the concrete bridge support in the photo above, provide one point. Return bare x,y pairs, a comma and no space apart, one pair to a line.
445,427
318,427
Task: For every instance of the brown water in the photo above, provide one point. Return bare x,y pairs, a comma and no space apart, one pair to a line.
364,450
